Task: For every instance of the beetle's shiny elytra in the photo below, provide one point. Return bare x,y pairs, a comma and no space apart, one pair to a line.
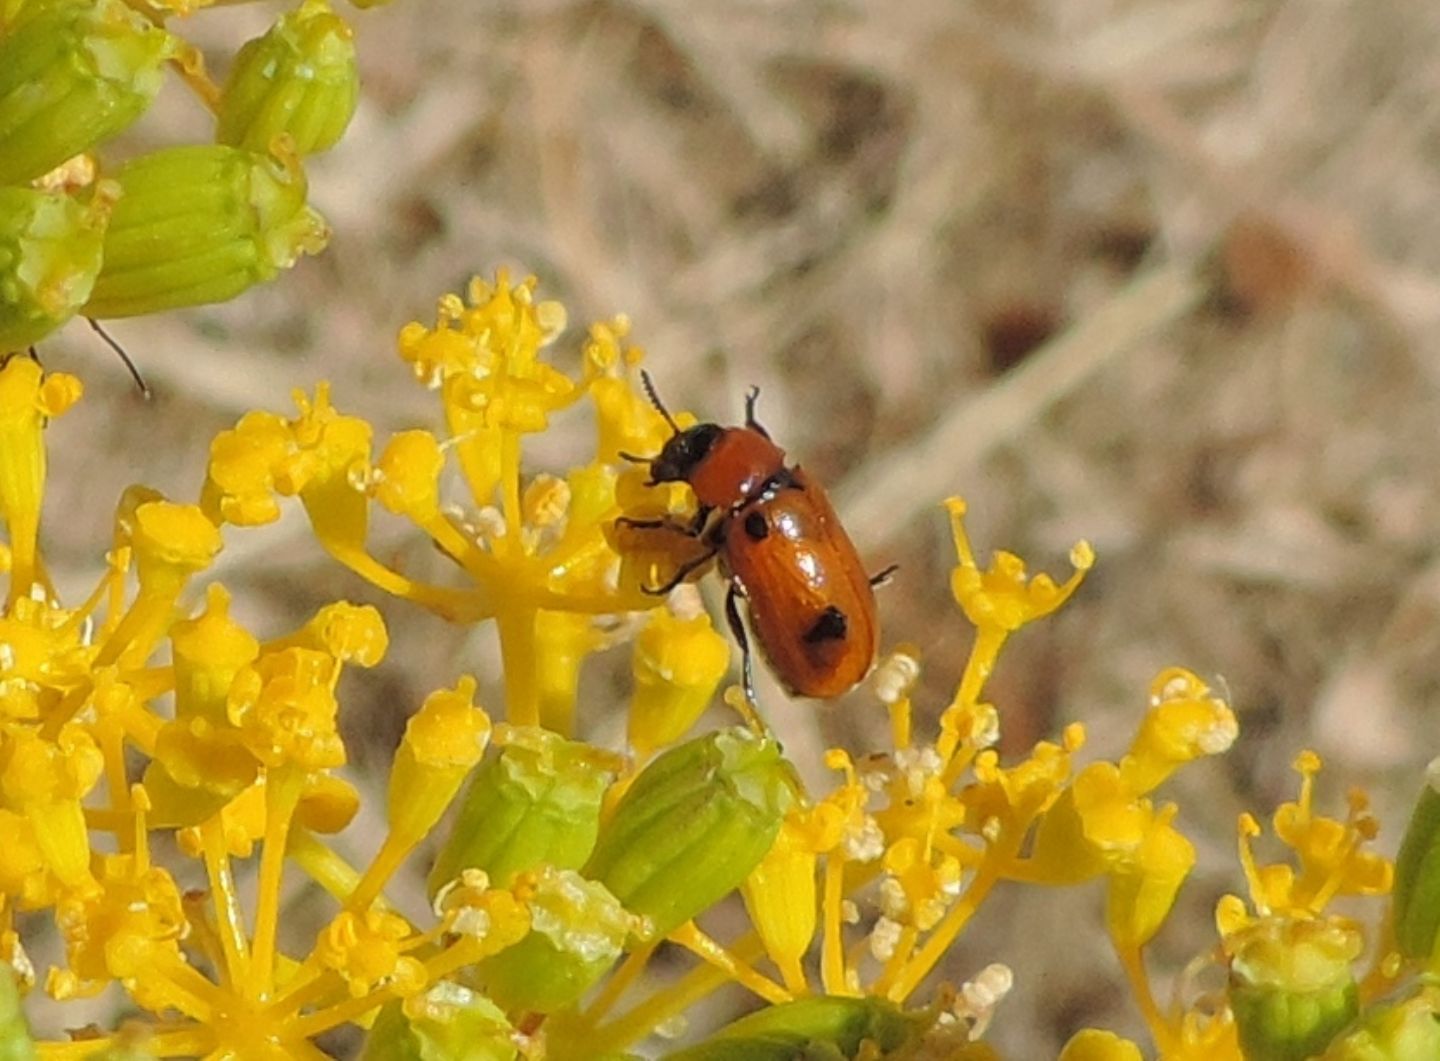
782,548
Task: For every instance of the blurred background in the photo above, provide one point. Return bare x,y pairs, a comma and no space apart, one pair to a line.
1163,274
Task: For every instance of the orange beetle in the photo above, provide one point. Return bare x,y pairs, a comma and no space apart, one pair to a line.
782,547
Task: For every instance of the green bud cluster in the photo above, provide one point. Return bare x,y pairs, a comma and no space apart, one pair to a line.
193,224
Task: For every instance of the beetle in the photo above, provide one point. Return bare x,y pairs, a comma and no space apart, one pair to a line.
781,547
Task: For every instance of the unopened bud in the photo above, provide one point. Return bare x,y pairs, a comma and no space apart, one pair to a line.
72,74
577,930
50,254
693,825
1417,873
299,79
448,1022
15,1041
1392,1031
199,224
1292,986
535,803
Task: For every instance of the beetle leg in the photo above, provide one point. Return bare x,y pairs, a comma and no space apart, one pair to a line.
702,517
882,577
747,670
693,529
681,574
751,397
656,524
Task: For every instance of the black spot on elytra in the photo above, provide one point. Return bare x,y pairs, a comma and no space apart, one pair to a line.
756,527
830,626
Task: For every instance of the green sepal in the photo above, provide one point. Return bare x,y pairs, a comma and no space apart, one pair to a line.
1416,902
1279,1025
298,80
50,255
693,825
73,73
534,802
1292,985
811,1027
456,1024
200,224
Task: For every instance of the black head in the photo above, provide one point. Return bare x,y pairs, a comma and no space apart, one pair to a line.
683,453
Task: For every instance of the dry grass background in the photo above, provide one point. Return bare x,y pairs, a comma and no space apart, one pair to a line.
1164,274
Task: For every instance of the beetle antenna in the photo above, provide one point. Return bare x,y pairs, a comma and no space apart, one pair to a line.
113,345
655,401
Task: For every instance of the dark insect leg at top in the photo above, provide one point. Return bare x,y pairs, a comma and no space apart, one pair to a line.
751,397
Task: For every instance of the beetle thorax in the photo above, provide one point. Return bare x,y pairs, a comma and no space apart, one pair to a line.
736,468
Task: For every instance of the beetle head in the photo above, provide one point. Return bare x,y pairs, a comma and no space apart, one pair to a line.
683,453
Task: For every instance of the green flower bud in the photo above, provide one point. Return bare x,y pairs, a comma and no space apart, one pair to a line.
200,224
73,73
1392,1032
535,803
15,1041
819,1027
49,258
447,1023
693,825
1292,987
1416,903
299,79
577,930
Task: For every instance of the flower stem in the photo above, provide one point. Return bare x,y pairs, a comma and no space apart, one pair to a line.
517,652
229,920
282,795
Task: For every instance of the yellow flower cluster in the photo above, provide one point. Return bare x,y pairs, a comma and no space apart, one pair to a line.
149,709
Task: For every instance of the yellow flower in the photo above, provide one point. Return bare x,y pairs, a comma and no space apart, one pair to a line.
1091,1044
45,781
28,398
367,950
284,706
537,555
127,928
1331,860
678,663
